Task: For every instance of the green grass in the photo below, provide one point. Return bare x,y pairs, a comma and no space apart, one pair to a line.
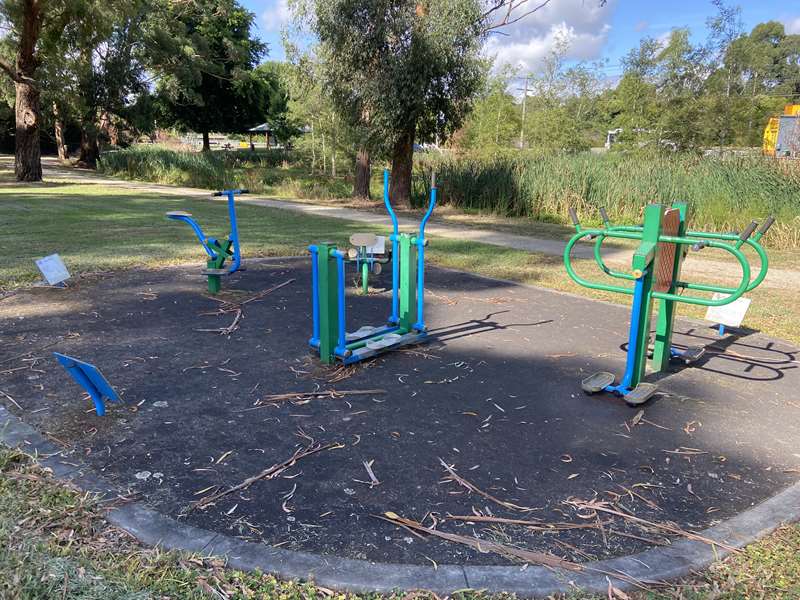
56,543
98,228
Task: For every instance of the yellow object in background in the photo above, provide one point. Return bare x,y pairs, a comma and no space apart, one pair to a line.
782,133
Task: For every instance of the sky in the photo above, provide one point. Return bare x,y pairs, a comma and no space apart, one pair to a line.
594,32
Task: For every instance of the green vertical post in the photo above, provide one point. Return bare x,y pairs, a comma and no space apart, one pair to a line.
408,282
365,277
666,308
214,281
223,252
643,265
328,302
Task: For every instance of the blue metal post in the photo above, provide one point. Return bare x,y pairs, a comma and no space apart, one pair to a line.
341,347
395,317
420,324
237,254
633,335
314,341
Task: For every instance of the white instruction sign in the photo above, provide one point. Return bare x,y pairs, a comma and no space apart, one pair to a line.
379,247
730,315
53,269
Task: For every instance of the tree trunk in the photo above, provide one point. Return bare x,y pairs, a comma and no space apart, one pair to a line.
27,154
89,148
61,144
206,142
402,164
324,156
313,149
361,183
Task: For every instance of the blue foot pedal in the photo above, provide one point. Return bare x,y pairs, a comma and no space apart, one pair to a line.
91,379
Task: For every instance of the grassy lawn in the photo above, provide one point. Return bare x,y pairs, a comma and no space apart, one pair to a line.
54,542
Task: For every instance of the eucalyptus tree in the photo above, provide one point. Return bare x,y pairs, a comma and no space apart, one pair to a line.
32,26
405,70
203,55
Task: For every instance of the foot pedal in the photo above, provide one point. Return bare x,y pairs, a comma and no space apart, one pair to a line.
692,353
597,382
360,333
215,271
390,339
640,394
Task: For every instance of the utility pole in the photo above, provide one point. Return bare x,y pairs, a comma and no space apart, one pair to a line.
522,126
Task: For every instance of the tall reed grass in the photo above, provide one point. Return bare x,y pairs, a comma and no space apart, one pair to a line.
211,170
724,194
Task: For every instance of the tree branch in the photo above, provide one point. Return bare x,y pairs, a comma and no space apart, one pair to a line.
9,69
510,7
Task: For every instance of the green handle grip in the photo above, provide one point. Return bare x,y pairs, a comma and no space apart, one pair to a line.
765,226
573,215
604,216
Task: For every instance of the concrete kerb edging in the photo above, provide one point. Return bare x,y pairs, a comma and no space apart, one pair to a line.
155,529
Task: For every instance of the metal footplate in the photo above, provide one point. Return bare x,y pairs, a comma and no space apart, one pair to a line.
692,353
597,382
392,341
640,394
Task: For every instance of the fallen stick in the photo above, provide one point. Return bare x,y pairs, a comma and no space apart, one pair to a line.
268,473
373,481
312,395
483,546
24,354
471,487
14,402
662,526
535,525
225,330
540,558
231,306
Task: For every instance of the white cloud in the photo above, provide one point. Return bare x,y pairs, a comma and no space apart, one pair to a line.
583,24
276,16
792,25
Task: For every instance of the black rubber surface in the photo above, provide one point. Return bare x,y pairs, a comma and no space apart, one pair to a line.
496,394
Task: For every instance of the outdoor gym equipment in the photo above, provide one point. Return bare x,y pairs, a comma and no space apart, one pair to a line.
218,250
369,255
90,379
406,324
656,265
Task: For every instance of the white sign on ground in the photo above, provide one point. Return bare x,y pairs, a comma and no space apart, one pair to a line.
730,315
53,269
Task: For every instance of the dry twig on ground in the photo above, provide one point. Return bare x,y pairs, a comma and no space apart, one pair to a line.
528,556
453,476
269,473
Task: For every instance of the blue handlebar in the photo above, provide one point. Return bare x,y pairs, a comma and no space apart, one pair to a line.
197,231
388,202
431,205
237,254
227,192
